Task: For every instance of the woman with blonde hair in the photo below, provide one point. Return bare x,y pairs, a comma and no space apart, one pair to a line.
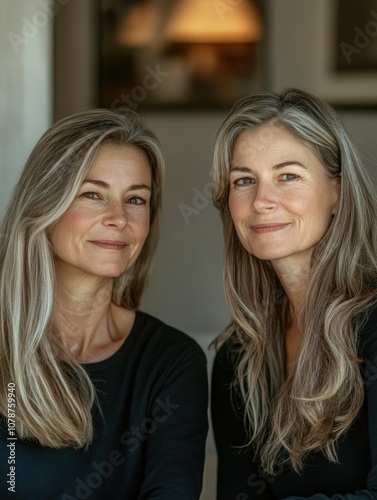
294,390
97,398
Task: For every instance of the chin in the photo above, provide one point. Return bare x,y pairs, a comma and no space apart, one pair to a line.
268,255
262,253
110,272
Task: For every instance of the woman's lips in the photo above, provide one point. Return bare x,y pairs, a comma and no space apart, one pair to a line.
269,227
110,244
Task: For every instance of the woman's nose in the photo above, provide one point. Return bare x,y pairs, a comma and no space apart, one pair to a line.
265,197
116,215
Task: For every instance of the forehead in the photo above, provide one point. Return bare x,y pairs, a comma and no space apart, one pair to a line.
113,158
271,146
270,138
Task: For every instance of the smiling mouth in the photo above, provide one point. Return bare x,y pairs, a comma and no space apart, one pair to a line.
269,227
109,244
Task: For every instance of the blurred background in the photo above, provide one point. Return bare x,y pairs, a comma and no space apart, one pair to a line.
181,64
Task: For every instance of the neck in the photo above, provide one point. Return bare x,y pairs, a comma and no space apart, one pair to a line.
294,277
83,315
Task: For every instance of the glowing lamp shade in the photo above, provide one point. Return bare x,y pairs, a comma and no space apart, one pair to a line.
213,21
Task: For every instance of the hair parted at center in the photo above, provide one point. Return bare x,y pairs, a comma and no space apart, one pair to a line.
55,396
313,407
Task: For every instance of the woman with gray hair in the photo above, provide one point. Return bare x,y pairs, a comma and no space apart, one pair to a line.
98,400
294,398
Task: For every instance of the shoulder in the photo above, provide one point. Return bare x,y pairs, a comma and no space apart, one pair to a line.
227,354
156,337
368,334
226,361
368,325
167,359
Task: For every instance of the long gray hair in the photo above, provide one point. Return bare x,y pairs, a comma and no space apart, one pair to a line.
287,417
55,397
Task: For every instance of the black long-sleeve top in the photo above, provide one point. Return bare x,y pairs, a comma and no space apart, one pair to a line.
354,477
150,428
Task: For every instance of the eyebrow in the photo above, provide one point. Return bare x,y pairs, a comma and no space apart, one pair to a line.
275,167
105,185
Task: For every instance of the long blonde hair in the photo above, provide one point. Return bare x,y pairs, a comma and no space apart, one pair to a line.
288,417
55,396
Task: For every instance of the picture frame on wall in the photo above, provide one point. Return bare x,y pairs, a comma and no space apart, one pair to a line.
356,36
176,54
346,53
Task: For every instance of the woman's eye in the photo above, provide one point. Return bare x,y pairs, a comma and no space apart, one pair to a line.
136,200
90,195
244,181
290,177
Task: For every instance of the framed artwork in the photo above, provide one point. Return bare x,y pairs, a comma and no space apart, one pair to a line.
356,36
346,54
176,54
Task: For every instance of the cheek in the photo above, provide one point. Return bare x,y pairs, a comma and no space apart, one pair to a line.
315,213
141,224
144,231
58,231
303,202
238,208
58,239
67,226
239,214
76,220
303,206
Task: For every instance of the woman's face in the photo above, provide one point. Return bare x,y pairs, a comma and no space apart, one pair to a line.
104,229
280,200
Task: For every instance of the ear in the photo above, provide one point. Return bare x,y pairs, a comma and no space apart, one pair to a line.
335,188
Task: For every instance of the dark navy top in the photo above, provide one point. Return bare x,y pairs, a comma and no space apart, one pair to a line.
150,428
354,477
